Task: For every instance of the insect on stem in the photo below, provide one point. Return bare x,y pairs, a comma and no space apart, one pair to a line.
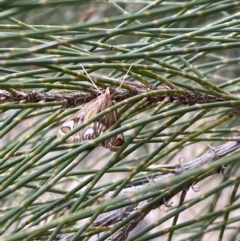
98,127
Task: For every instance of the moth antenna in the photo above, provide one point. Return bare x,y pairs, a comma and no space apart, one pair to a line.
125,76
90,78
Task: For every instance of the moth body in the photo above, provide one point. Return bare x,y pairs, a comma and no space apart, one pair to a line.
96,128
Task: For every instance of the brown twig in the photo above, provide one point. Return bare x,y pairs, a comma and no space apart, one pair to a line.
78,97
115,216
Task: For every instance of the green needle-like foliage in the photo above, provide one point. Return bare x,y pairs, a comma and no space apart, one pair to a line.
172,69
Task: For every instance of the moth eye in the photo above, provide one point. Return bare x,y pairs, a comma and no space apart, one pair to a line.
65,129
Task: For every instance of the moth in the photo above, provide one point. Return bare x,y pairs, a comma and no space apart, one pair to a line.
96,128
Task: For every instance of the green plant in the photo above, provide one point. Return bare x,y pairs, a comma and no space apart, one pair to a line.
180,92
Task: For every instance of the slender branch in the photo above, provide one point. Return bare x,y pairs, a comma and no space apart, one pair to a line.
74,98
115,216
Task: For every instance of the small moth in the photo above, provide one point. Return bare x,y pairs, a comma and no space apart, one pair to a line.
97,127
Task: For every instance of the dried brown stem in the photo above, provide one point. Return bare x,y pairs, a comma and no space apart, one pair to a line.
115,216
77,97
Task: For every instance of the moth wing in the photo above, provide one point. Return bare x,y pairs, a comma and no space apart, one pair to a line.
95,128
117,141
92,130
